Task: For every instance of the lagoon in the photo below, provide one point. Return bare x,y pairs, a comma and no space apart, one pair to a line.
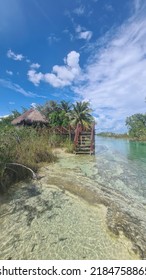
83,207
128,155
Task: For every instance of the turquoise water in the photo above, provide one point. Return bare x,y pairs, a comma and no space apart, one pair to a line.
132,150
82,207
129,158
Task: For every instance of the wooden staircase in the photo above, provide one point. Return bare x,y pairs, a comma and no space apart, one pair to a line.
84,141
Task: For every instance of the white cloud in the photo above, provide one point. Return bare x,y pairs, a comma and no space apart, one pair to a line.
14,56
28,60
52,38
78,29
34,77
82,33
137,4
72,60
114,78
79,11
9,72
35,66
71,36
86,35
61,75
33,105
3,117
17,88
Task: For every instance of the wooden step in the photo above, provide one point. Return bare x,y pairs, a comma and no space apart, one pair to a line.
85,133
83,152
84,138
82,142
83,146
83,149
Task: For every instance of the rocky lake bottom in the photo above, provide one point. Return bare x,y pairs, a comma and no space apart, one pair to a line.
76,210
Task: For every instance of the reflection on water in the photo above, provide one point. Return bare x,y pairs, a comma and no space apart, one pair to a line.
132,150
80,207
124,161
137,151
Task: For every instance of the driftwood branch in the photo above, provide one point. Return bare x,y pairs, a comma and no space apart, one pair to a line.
21,165
6,167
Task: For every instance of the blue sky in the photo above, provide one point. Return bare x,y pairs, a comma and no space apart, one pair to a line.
77,50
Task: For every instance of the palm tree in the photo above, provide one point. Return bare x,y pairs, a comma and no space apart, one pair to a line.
81,114
53,105
65,106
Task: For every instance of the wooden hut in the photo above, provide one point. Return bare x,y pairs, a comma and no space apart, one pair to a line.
30,117
84,139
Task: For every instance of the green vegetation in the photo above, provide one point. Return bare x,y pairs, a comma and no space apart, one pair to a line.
24,149
68,145
136,125
66,114
114,135
24,146
81,113
56,113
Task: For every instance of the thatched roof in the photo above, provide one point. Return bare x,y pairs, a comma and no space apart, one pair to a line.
30,116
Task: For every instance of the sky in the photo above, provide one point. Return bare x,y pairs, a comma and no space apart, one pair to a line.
81,50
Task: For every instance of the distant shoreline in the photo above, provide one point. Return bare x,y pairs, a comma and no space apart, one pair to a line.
120,136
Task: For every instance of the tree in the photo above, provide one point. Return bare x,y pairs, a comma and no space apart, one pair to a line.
61,114
66,106
56,112
64,114
81,113
136,125
6,121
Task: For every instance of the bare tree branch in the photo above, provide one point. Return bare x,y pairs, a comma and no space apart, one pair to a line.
18,164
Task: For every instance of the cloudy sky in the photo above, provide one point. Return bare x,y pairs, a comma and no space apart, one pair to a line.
74,50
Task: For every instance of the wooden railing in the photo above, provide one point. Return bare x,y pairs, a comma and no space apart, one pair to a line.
92,146
84,139
81,133
60,130
77,133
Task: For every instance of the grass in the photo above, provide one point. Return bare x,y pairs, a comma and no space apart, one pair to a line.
24,146
69,146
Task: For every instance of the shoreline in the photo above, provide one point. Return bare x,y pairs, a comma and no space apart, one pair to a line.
122,137
68,181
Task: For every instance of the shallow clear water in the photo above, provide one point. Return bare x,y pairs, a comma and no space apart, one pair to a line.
57,225
128,159
132,150
83,207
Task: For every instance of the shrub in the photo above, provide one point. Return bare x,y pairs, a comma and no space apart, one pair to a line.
22,146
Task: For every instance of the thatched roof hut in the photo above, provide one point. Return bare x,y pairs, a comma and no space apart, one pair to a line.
31,116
